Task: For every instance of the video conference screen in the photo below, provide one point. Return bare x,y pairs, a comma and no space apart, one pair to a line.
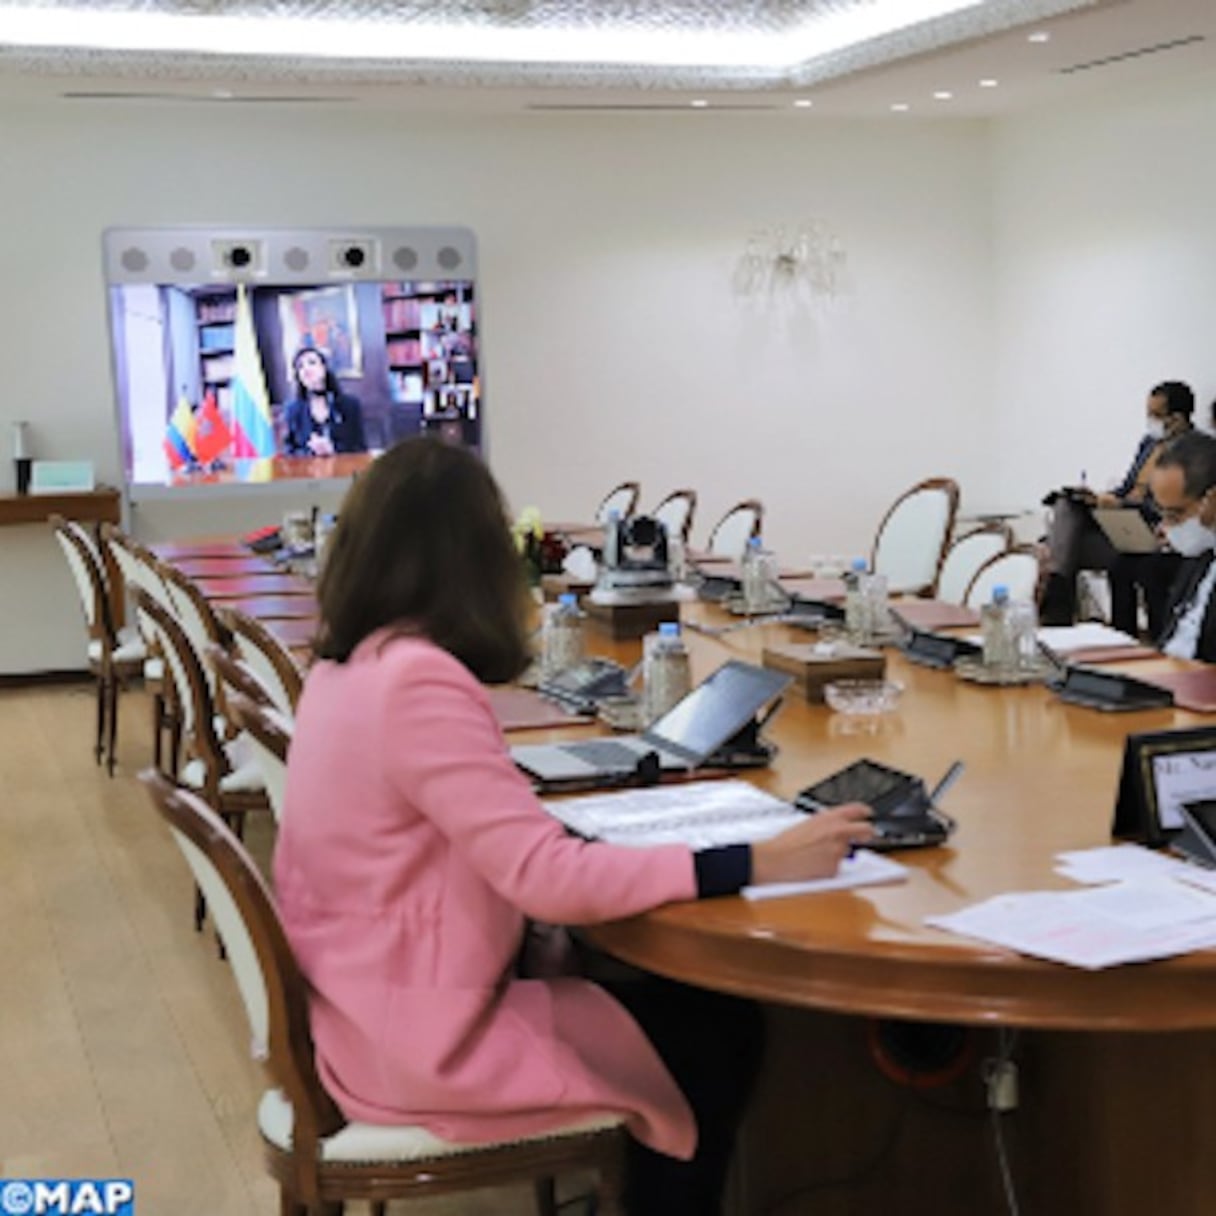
236,378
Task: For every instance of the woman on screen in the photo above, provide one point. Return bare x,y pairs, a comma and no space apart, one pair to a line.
322,420
412,849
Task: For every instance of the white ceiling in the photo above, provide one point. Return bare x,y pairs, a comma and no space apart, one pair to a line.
1143,40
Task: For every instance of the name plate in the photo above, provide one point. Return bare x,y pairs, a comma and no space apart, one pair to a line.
62,477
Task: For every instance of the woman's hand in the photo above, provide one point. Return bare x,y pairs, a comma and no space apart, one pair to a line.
319,445
813,849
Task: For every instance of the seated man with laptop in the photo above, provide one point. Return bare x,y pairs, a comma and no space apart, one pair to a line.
1087,532
1184,487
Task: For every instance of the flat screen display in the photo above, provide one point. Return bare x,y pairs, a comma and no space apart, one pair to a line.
277,355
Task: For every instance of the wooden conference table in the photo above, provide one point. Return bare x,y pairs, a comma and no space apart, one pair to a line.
1118,1068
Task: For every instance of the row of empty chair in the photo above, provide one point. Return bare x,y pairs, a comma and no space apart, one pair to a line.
915,547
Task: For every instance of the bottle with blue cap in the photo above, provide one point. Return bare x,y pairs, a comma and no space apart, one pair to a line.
758,576
562,638
666,676
1000,655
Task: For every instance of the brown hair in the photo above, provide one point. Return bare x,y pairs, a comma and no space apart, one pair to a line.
422,545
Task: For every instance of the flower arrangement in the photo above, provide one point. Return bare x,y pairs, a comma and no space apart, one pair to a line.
542,552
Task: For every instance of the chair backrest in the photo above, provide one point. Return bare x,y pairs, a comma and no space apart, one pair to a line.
1018,569
622,499
90,582
965,556
192,689
138,568
268,734
675,513
197,617
267,657
267,975
912,537
732,532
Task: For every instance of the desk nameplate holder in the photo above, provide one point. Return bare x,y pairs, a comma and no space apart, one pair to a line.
937,649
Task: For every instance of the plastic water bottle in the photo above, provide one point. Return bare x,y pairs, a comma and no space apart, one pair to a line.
563,636
876,605
856,624
666,678
758,574
999,654
1023,624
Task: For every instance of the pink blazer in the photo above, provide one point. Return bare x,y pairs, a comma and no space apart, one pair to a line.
410,851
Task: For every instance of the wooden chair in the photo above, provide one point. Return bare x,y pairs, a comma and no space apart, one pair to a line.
112,659
622,499
139,568
731,533
267,657
320,1160
911,540
224,773
1018,569
964,558
266,731
675,512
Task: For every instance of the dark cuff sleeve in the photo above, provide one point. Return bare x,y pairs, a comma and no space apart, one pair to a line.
724,870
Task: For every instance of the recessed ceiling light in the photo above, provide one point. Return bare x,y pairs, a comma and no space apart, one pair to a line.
699,104
804,103
988,83
943,95
1039,36
900,107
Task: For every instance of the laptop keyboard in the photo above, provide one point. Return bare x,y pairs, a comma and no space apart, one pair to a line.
603,753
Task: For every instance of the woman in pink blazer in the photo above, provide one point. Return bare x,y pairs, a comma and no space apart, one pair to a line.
411,851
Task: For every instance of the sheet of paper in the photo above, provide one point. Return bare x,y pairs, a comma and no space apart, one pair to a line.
863,869
1117,863
700,814
1100,927
1063,639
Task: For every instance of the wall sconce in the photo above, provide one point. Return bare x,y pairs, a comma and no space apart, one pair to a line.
779,260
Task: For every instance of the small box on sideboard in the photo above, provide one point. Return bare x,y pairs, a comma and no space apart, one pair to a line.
813,665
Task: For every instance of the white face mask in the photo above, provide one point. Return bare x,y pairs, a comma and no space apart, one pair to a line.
1155,428
1191,538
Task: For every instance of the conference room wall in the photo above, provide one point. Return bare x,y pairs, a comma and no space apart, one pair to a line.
614,345
1104,257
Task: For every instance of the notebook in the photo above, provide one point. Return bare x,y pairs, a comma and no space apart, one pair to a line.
684,738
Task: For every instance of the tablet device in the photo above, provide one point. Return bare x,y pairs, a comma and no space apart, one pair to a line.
1127,529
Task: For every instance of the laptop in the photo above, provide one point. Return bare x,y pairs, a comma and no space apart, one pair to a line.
1127,529
683,738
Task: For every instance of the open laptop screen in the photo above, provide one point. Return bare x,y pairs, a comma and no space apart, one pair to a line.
716,709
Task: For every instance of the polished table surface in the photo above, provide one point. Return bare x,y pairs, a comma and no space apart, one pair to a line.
1041,777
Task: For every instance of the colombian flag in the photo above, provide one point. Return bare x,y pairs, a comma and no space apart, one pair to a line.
253,432
179,435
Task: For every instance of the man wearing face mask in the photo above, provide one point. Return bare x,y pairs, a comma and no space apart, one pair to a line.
1184,488
1076,543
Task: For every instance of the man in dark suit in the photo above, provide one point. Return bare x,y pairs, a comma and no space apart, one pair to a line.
1075,542
1184,489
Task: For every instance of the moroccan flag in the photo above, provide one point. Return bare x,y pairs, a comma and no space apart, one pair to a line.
253,431
212,438
179,435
